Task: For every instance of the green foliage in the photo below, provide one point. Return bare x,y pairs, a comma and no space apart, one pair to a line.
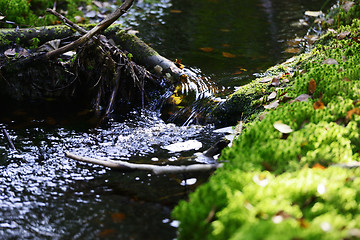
306,204
288,186
26,13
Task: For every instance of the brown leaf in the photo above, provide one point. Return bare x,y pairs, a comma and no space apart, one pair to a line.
351,112
281,127
226,45
312,86
346,79
228,55
330,61
303,223
107,233
118,217
275,82
292,50
175,11
207,49
318,105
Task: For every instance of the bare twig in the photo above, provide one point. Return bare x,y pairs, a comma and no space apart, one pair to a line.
121,165
12,146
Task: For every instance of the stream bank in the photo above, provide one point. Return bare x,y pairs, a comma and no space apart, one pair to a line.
293,171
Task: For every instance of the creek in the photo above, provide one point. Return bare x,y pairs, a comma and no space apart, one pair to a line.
44,195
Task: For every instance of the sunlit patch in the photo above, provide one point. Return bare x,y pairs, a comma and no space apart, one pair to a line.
321,188
184,146
187,182
261,180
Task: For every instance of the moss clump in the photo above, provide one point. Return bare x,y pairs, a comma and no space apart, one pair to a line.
26,13
290,186
306,204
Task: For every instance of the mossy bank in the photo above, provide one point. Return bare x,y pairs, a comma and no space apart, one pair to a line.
292,173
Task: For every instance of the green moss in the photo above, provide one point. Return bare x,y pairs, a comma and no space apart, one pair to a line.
35,42
288,186
33,13
306,204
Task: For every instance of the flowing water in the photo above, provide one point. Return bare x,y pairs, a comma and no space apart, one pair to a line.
44,195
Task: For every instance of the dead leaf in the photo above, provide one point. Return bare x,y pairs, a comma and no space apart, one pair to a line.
262,116
118,217
301,98
207,49
275,82
107,233
226,45
351,112
281,127
303,223
356,39
311,38
11,52
24,53
211,215
318,166
346,79
343,35
294,42
225,30
312,86
265,80
292,50
318,105
272,105
178,63
228,55
272,96
175,11
79,19
330,61
313,13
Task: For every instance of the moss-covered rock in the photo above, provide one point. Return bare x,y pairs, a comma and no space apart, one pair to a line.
26,13
278,184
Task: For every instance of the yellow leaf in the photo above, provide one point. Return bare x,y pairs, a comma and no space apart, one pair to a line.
228,55
207,49
175,11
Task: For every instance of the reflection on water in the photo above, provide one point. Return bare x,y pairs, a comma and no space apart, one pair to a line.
47,196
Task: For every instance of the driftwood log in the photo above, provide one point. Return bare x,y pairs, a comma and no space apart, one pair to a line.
102,65
156,169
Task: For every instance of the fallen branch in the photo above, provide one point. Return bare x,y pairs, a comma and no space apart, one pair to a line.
121,165
97,29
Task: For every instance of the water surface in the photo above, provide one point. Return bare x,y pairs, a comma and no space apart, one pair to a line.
47,196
